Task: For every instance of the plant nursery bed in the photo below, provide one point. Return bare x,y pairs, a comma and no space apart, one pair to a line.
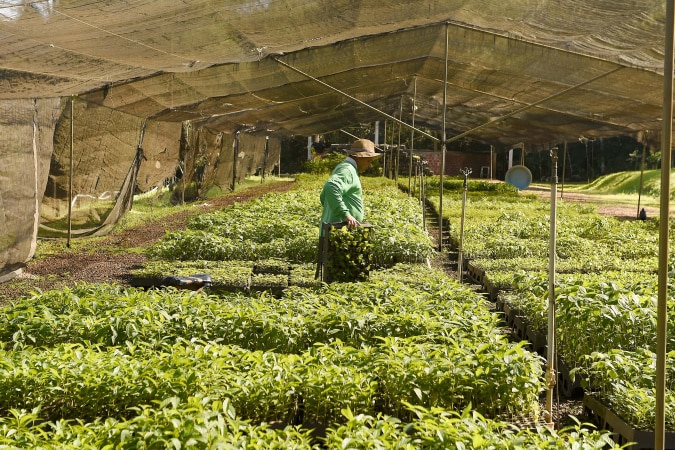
568,388
272,283
499,303
491,290
215,287
510,314
623,432
520,327
275,291
537,340
157,283
267,276
476,274
524,421
270,266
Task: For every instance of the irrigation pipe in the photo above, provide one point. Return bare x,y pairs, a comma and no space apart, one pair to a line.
551,374
460,258
412,136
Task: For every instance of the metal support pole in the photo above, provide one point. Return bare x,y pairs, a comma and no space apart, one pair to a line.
389,162
70,181
424,200
443,143
551,374
420,175
588,162
492,157
412,137
266,156
460,254
413,176
235,154
666,157
384,136
392,153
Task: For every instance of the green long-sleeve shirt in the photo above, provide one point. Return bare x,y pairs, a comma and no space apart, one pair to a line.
341,194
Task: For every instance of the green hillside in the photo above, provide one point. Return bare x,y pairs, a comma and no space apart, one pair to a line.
624,183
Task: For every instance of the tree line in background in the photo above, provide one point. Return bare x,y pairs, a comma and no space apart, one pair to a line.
588,159
584,160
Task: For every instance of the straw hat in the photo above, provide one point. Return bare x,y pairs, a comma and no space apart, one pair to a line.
363,148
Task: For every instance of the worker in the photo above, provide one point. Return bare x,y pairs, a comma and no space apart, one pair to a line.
342,197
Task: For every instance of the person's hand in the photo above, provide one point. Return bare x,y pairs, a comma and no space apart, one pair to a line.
352,222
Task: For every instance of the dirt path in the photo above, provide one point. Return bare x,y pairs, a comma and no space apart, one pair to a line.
620,211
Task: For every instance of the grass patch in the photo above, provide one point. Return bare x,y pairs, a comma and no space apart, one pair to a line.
623,187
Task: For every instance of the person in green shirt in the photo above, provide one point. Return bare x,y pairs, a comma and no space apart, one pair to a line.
342,196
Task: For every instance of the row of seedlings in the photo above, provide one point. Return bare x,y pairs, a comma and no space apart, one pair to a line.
605,294
408,358
406,343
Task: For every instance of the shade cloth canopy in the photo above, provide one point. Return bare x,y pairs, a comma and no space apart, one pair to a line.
101,99
213,62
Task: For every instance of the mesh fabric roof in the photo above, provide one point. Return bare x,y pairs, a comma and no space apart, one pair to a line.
213,62
205,88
